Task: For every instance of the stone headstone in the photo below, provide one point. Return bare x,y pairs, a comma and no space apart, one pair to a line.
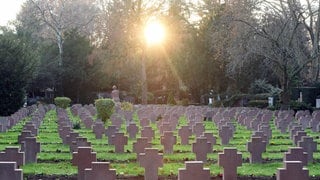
9,171
294,130
296,154
225,134
198,129
256,147
98,129
230,159
132,130
119,141
64,132
110,131
140,145
147,132
13,154
293,170
201,148
79,142
298,136
309,146
144,122
31,148
168,140
83,159
210,138
99,171
151,160
31,127
24,135
185,132
72,137
194,170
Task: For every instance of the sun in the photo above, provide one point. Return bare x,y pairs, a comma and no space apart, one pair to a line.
154,32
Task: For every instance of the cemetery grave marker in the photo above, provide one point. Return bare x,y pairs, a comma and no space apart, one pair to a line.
132,130
293,170
256,147
83,159
225,134
230,159
296,154
168,140
99,171
148,132
13,154
194,170
98,129
119,140
140,145
185,132
309,146
151,160
30,147
8,170
201,148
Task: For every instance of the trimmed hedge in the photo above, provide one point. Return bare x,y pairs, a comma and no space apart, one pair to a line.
62,102
105,108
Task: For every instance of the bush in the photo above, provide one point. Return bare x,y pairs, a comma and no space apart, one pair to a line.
126,106
258,103
105,108
297,106
62,102
171,100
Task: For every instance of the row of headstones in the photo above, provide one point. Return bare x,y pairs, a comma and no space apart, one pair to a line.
14,157
7,123
283,120
151,160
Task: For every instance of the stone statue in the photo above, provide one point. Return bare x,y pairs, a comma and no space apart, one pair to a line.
115,94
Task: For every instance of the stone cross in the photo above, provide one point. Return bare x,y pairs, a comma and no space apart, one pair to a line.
147,132
71,137
64,132
24,134
144,122
168,140
194,170
256,147
225,134
309,146
83,159
294,130
110,131
296,154
100,170
262,135
13,154
132,130
201,148
185,132
9,171
210,138
298,137
293,170
230,159
98,129
79,142
119,140
31,127
198,129
151,160
140,145
31,148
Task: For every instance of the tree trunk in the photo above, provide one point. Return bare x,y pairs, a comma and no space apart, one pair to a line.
285,95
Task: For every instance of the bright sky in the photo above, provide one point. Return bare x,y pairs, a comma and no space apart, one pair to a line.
8,10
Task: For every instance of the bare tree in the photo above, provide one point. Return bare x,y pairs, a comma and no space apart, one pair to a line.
281,38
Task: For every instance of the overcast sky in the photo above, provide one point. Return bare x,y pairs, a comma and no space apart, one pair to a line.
8,10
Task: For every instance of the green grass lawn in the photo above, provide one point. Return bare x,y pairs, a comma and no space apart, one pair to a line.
55,158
